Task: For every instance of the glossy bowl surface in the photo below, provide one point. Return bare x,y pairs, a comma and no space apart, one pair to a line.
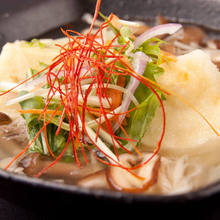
51,199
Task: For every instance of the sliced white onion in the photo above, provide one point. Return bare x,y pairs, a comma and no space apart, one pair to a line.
107,137
139,64
5,86
94,123
39,82
92,135
28,86
112,158
32,84
40,92
170,28
45,150
91,100
131,23
94,101
20,99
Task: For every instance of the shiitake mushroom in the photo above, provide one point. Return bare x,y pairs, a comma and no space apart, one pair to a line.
4,119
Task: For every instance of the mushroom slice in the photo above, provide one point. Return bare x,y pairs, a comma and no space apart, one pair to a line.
122,180
193,34
94,180
4,119
161,20
35,162
30,163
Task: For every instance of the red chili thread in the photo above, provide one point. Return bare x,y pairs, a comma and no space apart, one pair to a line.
72,57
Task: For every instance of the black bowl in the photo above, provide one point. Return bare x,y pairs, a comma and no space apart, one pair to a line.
45,198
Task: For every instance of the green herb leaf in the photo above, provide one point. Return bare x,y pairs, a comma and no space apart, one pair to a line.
56,142
151,48
32,121
36,42
122,33
140,119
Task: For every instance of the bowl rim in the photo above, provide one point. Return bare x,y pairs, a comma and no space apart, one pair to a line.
37,183
196,195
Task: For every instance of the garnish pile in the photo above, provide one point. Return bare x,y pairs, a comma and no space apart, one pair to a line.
99,95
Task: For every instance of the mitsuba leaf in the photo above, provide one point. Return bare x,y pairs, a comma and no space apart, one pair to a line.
35,42
140,119
151,48
33,103
56,142
32,121
124,34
